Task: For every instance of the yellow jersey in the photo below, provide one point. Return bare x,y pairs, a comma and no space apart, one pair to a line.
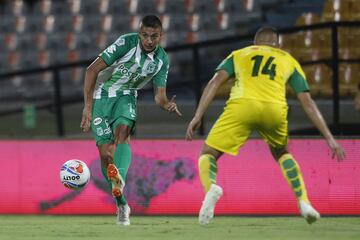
261,73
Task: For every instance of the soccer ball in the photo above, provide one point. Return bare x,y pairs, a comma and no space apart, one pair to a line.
74,174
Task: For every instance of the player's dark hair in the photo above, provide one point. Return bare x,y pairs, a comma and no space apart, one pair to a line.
151,21
267,30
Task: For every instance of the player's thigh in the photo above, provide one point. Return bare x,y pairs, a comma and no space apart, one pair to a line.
100,125
273,126
123,113
231,130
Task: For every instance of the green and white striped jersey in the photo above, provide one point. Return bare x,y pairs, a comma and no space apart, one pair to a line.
129,68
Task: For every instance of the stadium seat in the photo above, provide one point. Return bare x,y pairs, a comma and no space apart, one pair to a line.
75,23
192,37
134,22
16,7
173,22
287,42
18,24
319,77
348,79
43,60
193,21
165,20
43,7
175,7
74,6
308,19
117,8
336,10
146,7
355,10
233,5
223,22
101,40
40,39
10,41
199,6
48,24
103,6
71,40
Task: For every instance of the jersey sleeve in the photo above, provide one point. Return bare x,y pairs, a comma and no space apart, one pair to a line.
227,65
160,78
297,79
116,50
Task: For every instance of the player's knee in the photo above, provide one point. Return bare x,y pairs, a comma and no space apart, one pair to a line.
106,155
207,150
277,152
122,134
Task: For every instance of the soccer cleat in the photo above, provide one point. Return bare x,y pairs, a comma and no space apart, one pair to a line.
123,214
117,181
208,206
308,212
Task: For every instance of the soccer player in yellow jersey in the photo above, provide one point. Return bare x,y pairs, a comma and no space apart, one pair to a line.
257,103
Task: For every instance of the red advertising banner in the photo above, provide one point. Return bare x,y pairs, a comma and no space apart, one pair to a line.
163,179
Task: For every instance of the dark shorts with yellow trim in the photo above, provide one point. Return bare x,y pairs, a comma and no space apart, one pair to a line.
109,113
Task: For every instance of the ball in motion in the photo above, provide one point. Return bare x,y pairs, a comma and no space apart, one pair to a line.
74,174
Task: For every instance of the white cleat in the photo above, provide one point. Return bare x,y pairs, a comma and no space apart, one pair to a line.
207,209
308,212
123,215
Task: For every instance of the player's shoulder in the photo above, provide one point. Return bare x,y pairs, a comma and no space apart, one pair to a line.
161,54
128,39
248,50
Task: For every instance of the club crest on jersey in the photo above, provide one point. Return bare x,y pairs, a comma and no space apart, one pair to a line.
150,68
120,42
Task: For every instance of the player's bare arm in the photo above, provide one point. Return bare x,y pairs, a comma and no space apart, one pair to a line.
162,101
208,95
316,117
90,79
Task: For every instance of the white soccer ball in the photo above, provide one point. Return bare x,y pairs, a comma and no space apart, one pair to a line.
74,174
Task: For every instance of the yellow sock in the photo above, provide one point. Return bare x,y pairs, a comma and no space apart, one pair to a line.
207,170
293,176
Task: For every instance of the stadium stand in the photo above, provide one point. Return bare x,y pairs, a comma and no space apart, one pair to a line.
41,33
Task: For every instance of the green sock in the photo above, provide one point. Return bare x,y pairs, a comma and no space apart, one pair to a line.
122,161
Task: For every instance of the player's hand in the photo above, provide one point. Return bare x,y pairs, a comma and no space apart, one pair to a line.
86,119
193,125
171,106
337,150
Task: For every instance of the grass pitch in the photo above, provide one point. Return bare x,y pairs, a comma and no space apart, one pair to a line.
15,227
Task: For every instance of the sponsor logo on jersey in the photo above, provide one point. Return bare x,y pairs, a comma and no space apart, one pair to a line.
97,121
111,49
99,131
127,73
107,131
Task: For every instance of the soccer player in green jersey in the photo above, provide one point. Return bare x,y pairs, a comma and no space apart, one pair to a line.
110,92
257,103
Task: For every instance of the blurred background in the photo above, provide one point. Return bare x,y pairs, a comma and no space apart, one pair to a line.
46,45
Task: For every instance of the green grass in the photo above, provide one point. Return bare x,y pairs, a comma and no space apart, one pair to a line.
185,228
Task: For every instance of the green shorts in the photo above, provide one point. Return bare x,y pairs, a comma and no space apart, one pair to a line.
108,113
